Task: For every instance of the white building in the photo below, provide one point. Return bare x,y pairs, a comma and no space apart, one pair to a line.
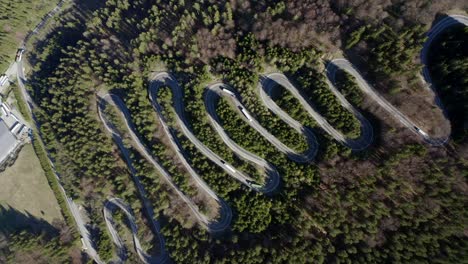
8,142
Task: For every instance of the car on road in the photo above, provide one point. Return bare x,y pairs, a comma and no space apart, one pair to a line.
420,131
228,92
245,113
254,184
3,79
19,55
227,166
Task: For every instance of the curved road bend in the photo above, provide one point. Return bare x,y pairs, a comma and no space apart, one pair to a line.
84,232
273,176
432,35
164,78
270,81
141,190
220,89
88,245
109,207
372,93
226,213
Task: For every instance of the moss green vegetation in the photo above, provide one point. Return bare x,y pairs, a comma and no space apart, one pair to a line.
182,180
240,131
346,84
367,199
197,117
26,247
25,187
22,107
16,21
289,61
245,82
328,148
317,91
293,107
391,52
399,205
44,165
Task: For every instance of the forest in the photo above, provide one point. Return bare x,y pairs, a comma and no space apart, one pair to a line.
347,85
450,71
16,21
399,201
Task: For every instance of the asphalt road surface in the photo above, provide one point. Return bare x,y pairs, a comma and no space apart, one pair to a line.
89,246
109,207
273,181
432,35
141,190
272,80
225,212
221,89
372,93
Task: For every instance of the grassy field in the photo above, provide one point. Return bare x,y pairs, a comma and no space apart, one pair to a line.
24,187
16,19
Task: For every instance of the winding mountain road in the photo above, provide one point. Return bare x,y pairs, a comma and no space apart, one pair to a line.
432,35
272,80
273,175
267,84
434,32
272,183
88,244
225,212
142,193
345,65
109,208
223,90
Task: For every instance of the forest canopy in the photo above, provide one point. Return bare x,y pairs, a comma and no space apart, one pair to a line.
400,200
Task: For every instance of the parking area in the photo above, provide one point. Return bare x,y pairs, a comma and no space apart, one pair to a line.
7,77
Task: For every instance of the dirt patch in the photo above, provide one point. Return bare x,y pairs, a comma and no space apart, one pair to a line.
420,106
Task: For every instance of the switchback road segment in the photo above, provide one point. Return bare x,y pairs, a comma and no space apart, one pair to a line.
225,211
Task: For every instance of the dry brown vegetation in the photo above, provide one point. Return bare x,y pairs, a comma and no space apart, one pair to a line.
390,203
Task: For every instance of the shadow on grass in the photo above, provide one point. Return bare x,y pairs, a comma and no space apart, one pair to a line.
12,221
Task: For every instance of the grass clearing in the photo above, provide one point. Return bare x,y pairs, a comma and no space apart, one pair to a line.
16,19
24,187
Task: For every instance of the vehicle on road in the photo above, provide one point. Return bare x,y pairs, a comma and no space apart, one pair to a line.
14,126
19,55
246,114
4,111
3,80
13,115
420,131
228,167
228,92
254,184
83,245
